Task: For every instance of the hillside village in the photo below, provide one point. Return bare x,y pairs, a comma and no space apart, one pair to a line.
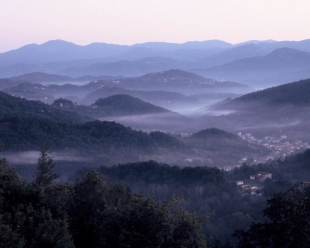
279,147
253,185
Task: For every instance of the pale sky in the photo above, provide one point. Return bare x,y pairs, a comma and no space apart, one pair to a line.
135,21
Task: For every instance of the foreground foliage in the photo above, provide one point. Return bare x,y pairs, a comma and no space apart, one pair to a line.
289,224
89,213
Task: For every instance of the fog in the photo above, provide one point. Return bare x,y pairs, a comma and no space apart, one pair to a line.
193,89
168,122
32,157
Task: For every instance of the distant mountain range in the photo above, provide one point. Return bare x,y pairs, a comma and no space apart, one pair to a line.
173,89
262,71
244,62
59,50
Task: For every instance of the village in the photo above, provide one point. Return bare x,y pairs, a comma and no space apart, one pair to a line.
253,185
279,148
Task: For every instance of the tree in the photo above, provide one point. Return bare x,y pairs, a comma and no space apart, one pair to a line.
31,216
44,175
110,215
289,225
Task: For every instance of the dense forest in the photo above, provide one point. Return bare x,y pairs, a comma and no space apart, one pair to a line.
116,105
88,213
149,204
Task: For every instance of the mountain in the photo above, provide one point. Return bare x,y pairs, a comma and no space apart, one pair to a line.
277,111
39,77
131,68
26,125
90,92
213,133
97,59
58,50
12,106
262,71
48,93
45,78
5,83
138,114
115,105
126,105
236,53
164,99
209,44
296,94
303,45
179,81
218,145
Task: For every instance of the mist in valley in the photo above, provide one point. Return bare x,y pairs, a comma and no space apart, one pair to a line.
187,120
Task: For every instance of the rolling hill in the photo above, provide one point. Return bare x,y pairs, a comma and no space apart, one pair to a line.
276,111
115,105
296,94
179,81
269,70
40,77
26,125
98,59
126,105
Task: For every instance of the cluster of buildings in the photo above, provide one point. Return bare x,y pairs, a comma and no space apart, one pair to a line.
279,147
253,185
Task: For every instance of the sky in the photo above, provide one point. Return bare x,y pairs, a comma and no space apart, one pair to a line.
136,21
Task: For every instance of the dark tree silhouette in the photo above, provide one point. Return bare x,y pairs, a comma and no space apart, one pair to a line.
289,225
44,175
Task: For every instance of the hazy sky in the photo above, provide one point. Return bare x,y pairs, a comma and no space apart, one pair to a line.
136,21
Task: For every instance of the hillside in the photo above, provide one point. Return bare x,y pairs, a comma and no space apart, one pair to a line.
275,68
292,94
277,111
14,106
208,58
126,105
58,50
222,144
236,53
40,77
115,105
5,83
26,125
133,68
179,81
169,100
213,133
48,93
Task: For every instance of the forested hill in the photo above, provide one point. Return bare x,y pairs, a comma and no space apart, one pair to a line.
213,133
126,105
15,106
40,77
27,124
178,76
292,94
113,106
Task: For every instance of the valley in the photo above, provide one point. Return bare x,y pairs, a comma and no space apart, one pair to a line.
191,120
174,90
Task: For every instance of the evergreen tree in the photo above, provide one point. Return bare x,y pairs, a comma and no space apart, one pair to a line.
44,175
